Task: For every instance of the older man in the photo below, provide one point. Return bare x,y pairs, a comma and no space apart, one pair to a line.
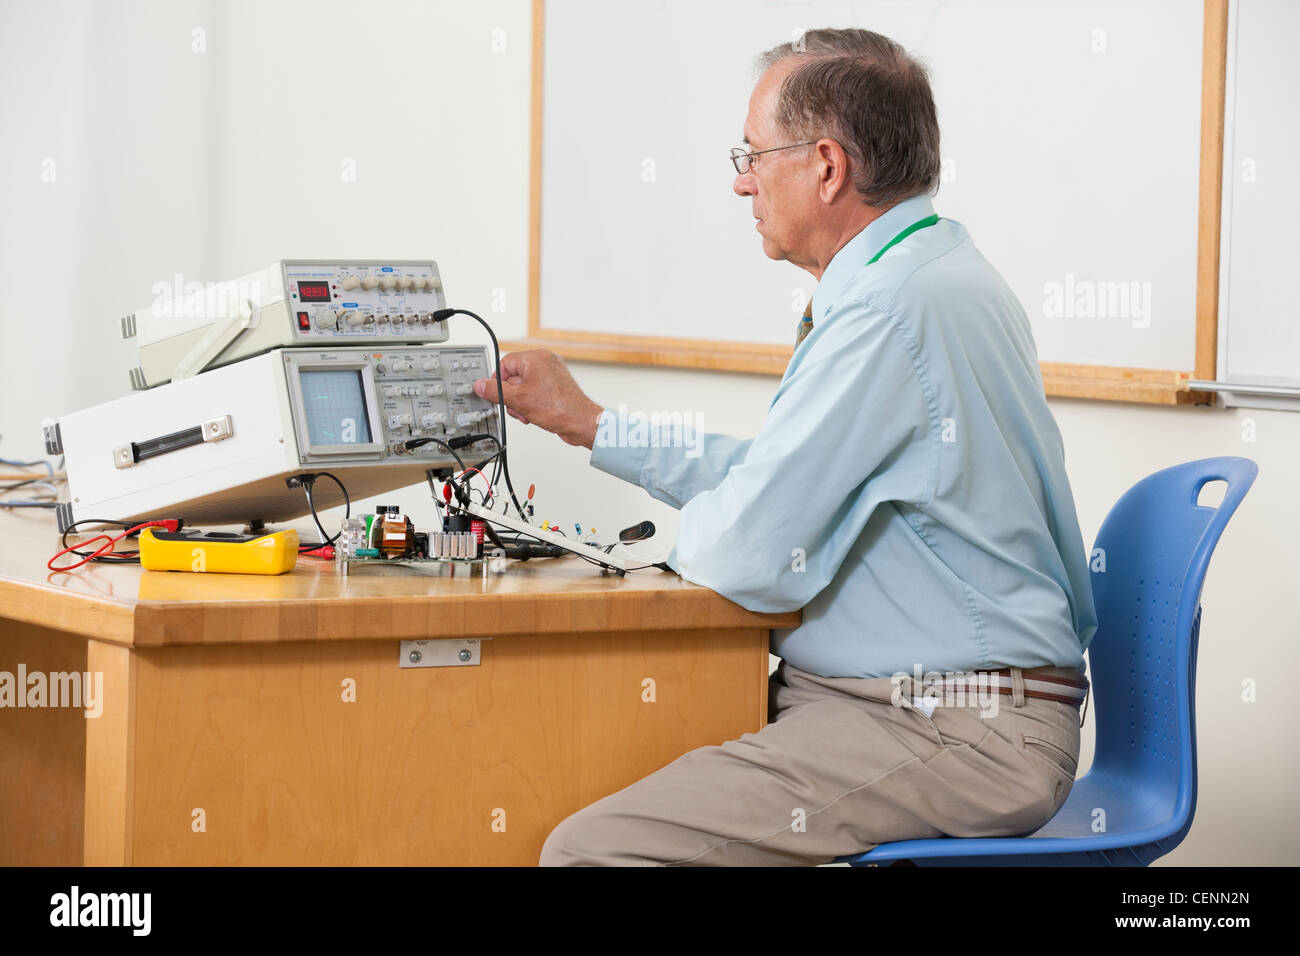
907,490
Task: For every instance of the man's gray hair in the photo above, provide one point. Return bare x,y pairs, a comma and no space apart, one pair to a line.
868,94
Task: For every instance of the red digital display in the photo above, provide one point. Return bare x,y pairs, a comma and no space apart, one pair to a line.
314,291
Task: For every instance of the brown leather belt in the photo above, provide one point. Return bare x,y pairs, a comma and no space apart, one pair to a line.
1036,684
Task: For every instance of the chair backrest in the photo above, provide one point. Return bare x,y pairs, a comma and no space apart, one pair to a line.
1148,568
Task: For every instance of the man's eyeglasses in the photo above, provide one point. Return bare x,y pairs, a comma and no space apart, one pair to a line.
743,159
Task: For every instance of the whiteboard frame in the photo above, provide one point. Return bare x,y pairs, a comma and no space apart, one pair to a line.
1111,383
1280,390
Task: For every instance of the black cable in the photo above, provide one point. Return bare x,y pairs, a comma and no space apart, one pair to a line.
433,493
491,533
491,506
461,441
577,554
414,443
444,314
25,503
307,481
311,506
663,566
19,484
114,557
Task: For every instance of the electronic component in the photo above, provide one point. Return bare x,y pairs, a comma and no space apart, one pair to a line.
217,551
217,448
389,537
355,536
638,532
616,561
292,302
396,536
458,544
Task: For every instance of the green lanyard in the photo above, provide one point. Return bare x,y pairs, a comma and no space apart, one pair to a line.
805,324
927,221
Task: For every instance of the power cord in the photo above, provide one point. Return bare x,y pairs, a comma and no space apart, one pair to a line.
307,482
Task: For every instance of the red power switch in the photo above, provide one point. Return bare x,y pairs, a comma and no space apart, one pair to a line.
303,322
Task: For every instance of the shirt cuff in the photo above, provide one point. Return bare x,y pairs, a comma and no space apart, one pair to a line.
612,458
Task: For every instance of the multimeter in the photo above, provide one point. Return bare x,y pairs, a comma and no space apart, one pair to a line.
218,551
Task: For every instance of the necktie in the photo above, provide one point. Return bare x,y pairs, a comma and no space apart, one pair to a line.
805,325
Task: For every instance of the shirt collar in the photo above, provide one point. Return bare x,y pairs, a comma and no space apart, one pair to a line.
859,250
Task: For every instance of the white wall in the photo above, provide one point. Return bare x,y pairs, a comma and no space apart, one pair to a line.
146,138
168,160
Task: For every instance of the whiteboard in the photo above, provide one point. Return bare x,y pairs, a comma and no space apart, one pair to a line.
1070,143
1259,336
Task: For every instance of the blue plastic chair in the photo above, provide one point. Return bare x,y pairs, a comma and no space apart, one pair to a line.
1157,542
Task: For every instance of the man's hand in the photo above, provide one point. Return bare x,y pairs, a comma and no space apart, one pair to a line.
539,390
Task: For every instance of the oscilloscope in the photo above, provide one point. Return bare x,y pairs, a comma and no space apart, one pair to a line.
217,447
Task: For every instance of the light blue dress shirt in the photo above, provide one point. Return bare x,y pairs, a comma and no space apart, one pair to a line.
908,487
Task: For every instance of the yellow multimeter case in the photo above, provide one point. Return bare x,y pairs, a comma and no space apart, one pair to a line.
218,551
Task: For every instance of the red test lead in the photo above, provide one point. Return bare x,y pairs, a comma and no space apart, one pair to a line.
170,524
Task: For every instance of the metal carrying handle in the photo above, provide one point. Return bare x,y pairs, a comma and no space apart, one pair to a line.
214,429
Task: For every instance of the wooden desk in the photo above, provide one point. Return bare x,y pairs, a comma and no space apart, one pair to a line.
223,701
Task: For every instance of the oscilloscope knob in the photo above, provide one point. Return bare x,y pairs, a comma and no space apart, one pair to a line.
351,317
326,319
389,283
350,283
435,283
404,282
370,282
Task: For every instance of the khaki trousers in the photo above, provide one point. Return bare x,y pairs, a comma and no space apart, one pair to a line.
839,769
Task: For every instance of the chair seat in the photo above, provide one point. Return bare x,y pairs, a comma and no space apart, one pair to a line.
1134,817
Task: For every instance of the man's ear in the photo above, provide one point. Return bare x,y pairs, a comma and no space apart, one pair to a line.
832,170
